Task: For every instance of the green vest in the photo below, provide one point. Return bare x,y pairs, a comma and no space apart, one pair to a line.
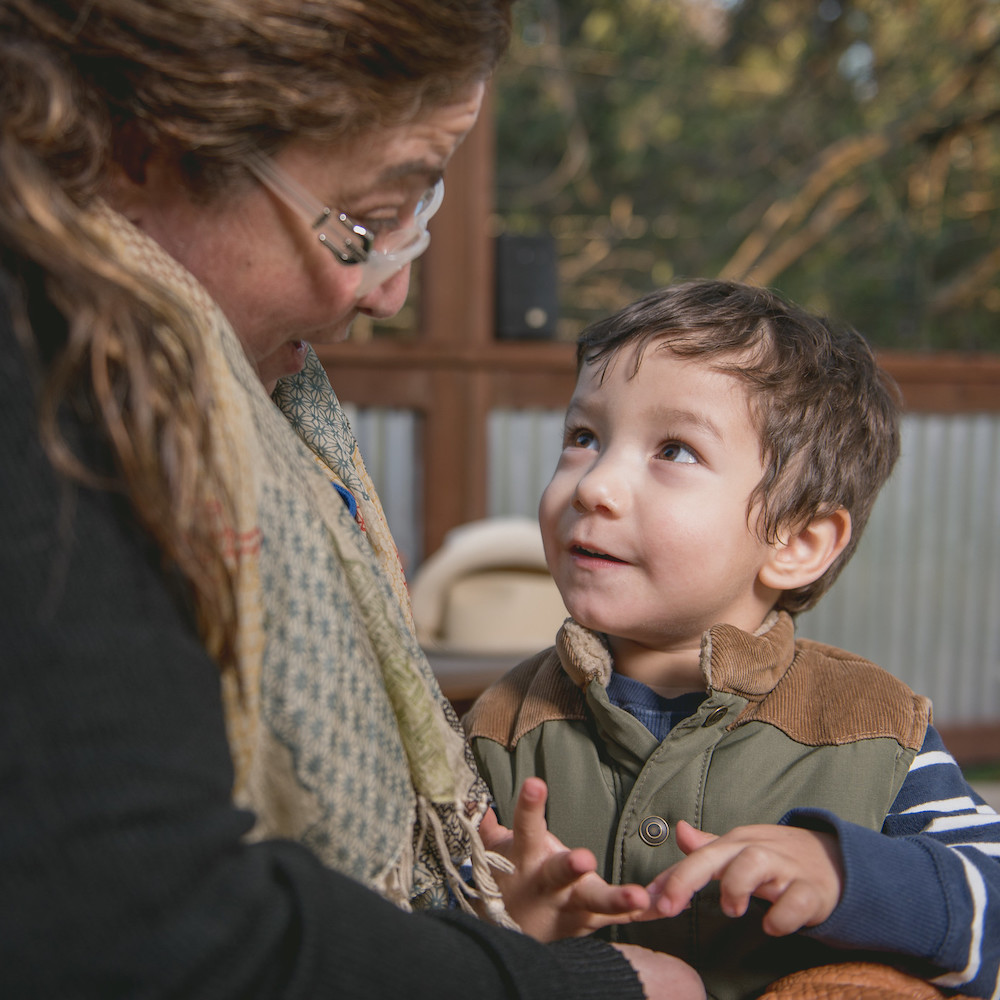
785,725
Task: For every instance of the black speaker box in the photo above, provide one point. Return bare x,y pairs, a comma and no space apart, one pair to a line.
527,287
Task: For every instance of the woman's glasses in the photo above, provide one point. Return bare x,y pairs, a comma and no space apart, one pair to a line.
382,251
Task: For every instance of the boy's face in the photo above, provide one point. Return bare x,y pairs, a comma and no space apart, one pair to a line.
645,520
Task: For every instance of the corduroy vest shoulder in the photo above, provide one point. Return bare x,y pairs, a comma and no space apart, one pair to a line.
536,691
816,694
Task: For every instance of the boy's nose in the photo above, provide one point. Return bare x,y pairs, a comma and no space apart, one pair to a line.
600,490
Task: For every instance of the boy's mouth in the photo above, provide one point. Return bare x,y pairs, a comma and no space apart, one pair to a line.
579,550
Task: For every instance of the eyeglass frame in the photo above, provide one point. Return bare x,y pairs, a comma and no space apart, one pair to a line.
357,245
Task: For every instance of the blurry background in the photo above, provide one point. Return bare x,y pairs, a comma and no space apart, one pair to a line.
845,152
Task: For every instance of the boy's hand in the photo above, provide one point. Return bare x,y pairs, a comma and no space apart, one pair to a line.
799,871
554,892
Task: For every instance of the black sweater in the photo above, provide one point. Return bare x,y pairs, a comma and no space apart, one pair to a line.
122,866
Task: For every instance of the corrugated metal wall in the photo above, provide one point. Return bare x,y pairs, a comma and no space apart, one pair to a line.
524,446
390,443
922,594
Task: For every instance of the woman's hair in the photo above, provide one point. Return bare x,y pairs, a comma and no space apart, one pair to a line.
826,415
86,83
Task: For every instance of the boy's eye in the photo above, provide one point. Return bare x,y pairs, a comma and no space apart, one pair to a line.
578,437
674,451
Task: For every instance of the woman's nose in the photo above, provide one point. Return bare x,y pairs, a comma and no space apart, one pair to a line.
387,299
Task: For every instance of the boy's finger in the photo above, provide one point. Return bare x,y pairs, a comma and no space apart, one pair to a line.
609,903
672,891
796,908
616,900
529,826
690,838
673,888
753,871
566,867
491,831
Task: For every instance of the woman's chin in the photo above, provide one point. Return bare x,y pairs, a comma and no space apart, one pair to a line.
289,359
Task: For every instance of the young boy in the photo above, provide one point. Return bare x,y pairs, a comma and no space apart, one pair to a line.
722,453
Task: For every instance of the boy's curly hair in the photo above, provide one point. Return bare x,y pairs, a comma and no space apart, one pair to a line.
826,414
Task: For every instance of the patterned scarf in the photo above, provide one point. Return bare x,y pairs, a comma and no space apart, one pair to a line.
340,735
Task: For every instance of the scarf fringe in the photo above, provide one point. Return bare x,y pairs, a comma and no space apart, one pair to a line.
485,888
397,883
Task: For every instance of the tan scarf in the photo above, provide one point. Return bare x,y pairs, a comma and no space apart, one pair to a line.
340,735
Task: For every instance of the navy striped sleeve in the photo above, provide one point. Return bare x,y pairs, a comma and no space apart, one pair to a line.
928,884
936,800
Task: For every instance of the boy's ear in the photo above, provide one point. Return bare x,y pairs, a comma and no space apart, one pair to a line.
807,553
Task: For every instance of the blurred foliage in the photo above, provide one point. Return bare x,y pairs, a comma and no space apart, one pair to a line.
846,152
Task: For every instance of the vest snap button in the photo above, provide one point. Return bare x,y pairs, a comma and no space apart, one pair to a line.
715,717
653,830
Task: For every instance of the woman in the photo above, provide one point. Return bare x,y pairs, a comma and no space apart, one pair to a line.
201,602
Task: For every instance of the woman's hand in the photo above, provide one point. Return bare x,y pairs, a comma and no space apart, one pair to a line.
663,977
799,871
555,892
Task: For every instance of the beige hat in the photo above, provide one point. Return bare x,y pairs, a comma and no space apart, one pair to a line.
488,590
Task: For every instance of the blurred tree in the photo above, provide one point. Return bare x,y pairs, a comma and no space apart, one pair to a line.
846,152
